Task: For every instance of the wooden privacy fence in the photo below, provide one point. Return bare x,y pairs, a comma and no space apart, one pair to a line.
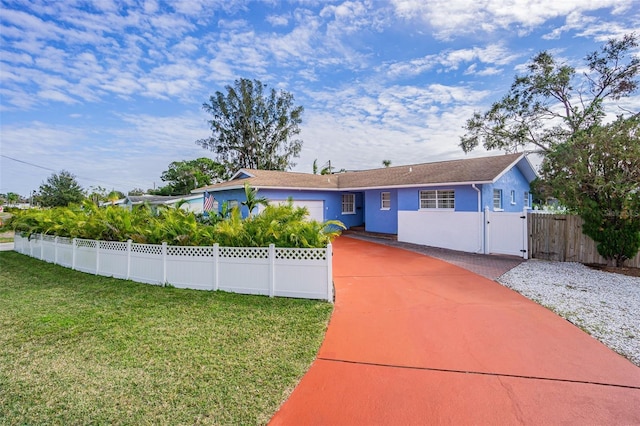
270,271
559,237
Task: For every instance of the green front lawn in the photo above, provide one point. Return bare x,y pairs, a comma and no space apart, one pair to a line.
82,349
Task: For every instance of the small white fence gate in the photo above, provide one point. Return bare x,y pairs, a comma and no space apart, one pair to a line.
506,233
271,271
485,232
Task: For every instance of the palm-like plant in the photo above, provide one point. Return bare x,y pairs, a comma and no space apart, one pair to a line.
252,200
282,225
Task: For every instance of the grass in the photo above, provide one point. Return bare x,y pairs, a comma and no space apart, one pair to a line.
82,349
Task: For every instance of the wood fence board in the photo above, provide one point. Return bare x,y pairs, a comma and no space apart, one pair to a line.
559,238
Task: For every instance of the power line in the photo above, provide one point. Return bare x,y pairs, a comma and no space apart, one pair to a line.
52,170
26,162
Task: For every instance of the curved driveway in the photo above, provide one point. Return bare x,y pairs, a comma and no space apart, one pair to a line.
415,340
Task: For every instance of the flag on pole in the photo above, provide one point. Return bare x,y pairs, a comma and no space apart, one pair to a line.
208,202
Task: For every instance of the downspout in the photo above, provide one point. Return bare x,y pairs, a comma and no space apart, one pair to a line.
481,220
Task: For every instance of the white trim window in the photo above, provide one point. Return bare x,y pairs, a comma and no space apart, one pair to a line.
513,196
385,201
497,199
526,199
437,199
233,204
348,203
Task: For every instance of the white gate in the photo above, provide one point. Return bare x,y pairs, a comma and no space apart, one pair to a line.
506,233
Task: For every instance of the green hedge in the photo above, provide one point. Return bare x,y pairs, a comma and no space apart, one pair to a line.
282,225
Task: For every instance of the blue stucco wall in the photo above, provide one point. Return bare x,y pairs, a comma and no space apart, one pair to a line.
332,202
466,197
232,194
368,208
513,180
378,220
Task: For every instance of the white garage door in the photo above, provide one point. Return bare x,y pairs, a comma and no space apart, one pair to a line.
315,207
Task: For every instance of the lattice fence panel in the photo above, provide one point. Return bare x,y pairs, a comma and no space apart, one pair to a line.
65,240
113,245
189,251
244,252
86,243
301,254
146,249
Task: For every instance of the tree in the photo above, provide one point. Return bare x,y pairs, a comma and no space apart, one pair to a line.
97,194
252,200
137,191
114,196
12,198
60,190
252,129
597,174
183,176
551,102
386,163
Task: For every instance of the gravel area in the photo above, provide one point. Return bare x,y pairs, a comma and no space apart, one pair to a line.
604,304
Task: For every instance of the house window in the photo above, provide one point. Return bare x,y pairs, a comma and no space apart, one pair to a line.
437,199
446,199
233,204
385,200
497,198
348,203
513,196
526,199
428,200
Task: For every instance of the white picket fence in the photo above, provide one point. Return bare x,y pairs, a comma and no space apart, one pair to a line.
287,272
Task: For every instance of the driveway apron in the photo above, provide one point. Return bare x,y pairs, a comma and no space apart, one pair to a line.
415,340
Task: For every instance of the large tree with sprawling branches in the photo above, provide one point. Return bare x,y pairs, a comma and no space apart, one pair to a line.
552,101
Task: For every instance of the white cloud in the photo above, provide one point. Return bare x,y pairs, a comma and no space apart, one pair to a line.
451,60
454,17
54,95
278,20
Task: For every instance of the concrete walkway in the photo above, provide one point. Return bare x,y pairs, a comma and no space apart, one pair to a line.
489,266
414,340
6,246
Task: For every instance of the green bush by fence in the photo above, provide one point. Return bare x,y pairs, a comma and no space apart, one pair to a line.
282,225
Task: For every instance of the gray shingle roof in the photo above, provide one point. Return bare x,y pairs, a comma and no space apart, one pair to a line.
472,170
157,199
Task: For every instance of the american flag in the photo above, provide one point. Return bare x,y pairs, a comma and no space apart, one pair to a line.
208,202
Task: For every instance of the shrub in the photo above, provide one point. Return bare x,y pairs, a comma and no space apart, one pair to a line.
284,226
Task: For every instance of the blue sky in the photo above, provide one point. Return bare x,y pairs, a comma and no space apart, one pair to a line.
112,90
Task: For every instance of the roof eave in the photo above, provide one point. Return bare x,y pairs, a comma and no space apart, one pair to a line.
414,185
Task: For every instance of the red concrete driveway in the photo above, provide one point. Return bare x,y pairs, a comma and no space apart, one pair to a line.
414,340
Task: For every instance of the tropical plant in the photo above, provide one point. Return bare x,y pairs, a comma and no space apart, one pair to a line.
284,226
114,196
251,199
